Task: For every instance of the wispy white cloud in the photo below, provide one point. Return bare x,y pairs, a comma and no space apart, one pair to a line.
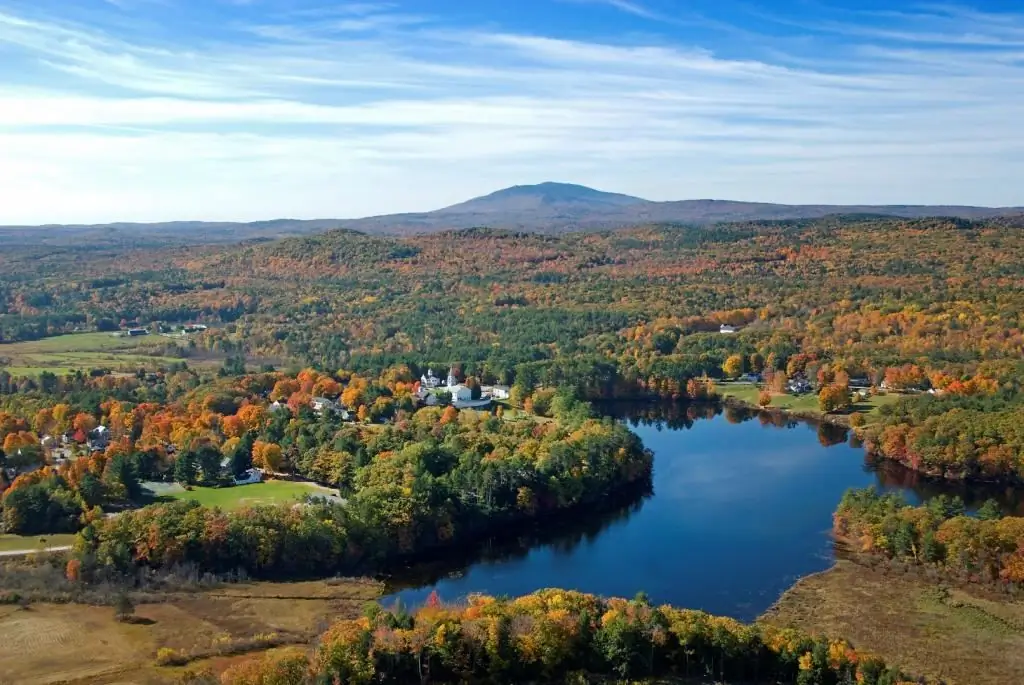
627,6
362,109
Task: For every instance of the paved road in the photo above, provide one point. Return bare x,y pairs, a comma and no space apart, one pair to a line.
34,550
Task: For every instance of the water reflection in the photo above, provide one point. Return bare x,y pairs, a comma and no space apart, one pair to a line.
741,507
561,536
919,488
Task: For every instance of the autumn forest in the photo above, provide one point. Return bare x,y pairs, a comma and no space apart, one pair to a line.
304,362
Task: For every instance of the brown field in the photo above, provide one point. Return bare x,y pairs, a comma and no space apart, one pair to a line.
84,645
926,629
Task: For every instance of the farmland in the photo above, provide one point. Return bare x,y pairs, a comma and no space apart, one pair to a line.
86,351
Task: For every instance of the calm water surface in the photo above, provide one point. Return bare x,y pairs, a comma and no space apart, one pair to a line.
741,508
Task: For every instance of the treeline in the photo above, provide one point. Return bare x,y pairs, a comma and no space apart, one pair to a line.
955,436
441,478
987,548
560,636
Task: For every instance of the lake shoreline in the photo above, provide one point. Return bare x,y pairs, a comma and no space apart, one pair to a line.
840,420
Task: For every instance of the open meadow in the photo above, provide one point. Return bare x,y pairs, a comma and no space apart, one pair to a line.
85,351
75,643
17,543
929,630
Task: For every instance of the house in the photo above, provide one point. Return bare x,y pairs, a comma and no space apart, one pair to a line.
430,380
497,392
99,438
460,393
727,329
250,477
194,328
750,378
277,406
133,332
798,386
323,404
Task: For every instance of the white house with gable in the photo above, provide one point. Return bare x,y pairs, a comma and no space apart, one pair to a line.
460,393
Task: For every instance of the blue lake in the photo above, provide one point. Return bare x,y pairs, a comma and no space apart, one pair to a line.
741,508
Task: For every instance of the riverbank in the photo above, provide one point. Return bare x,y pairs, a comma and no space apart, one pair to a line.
928,629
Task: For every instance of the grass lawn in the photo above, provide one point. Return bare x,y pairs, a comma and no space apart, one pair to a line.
924,629
748,392
12,543
267,492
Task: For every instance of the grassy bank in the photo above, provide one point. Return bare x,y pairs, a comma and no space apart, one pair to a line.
927,629
749,393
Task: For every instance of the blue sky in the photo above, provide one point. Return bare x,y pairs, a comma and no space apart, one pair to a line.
148,110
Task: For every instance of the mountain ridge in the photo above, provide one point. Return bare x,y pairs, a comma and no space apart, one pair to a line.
545,207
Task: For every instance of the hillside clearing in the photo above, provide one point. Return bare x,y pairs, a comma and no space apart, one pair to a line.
239,496
85,351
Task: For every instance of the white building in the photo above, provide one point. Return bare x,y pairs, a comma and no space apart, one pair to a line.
430,380
727,329
460,393
322,404
497,392
250,477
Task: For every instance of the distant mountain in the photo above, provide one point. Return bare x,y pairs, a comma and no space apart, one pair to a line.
543,197
545,207
559,207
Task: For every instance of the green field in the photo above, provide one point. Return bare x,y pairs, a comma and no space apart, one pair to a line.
748,392
13,543
84,351
268,492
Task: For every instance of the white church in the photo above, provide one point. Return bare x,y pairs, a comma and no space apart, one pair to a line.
462,395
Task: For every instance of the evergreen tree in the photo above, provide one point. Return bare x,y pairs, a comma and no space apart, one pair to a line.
241,458
120,476
990,511
91,490
186,467
209,460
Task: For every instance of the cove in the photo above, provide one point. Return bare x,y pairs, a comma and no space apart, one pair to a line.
740,508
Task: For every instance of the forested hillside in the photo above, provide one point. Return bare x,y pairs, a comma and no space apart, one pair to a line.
871,294
912,305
